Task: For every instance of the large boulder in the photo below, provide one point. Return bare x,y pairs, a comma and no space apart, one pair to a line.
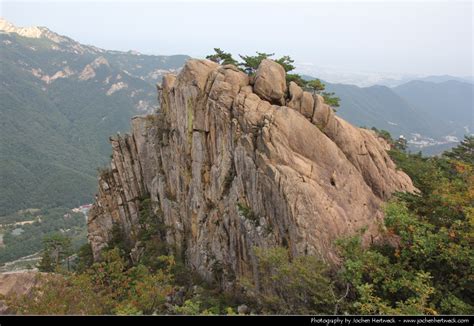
270,82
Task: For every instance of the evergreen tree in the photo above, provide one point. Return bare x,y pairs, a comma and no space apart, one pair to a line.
85,258
222,58
296,79
58,248
464,151
316,86
330,99
286,62
251,62
46,263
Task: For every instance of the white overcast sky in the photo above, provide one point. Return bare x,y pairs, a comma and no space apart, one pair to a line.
421,37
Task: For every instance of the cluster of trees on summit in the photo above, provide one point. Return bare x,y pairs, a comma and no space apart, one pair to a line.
427,270
250,63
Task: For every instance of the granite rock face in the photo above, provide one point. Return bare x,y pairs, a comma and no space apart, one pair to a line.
227,169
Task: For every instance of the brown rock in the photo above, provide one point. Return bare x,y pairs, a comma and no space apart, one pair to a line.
364,150
270,82
230,171
16,283
301,101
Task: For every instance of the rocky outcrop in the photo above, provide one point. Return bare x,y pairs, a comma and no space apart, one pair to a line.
7,27
226,169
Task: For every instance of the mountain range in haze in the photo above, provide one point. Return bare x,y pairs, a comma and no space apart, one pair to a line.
61,100
430,115
370,78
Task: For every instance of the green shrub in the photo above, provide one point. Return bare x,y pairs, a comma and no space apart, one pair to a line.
291,286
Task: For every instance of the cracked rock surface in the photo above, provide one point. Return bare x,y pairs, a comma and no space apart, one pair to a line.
228,167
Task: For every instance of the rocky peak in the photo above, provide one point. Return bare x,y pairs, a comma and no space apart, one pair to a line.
31,32
228,167
59,42
7,27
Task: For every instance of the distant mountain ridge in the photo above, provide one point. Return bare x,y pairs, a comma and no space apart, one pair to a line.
378,106
61,100
391,82
336,75
445,78
428,114
449,101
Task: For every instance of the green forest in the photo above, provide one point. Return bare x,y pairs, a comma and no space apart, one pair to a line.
27,239
423,266
54,135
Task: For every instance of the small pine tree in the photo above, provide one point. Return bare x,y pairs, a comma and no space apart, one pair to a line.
286,62
464,151
222,58
251,62
46,264
330,99
316,86
57,248
296,79
85,258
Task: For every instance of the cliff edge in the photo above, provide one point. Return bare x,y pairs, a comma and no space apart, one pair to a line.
233,162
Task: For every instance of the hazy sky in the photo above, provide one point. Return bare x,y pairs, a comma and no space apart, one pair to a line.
423,37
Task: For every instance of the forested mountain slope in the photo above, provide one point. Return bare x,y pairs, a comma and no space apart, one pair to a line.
61,100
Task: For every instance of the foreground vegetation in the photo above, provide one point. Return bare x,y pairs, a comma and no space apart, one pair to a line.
423,265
